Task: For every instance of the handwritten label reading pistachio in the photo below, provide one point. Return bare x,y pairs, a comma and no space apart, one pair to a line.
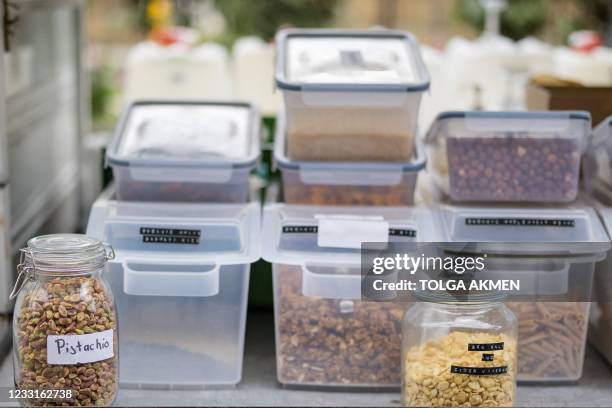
78,349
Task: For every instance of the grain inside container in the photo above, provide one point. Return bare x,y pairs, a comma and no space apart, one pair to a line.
350,94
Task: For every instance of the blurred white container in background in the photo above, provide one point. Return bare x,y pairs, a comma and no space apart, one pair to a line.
253,61
177,72
590,69
434,100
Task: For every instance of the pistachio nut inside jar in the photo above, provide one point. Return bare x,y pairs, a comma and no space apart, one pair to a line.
459,353
64,323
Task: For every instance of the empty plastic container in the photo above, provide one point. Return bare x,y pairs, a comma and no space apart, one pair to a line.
180,279
326,335
553,253
508,156
350,94
346,183
185,151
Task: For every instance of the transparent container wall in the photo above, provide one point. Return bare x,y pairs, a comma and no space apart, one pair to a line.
398,192
597,166
351,126
145,187
552,312
327,337
180,326
552,340
600,327
480,158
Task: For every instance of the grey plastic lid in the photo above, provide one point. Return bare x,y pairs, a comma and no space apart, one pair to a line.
528,124
186,134
349,60
569,230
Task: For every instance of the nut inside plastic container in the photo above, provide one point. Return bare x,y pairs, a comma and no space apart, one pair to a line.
347,183
508,156
326,335
350,94
185,151
553,252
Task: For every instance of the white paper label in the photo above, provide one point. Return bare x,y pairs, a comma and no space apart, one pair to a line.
80,348
348,231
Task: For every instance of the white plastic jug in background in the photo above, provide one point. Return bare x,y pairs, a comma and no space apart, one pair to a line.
177,72
254,74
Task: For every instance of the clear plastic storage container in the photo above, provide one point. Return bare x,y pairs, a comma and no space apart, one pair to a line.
180,279
350,94
326,335
347,183
553,252
185,151
508,156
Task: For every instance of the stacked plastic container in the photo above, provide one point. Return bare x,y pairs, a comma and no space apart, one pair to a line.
598,178
347,133
347,151
513,177
553,252
326,335
185,233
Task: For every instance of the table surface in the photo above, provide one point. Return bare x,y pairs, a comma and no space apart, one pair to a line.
260,388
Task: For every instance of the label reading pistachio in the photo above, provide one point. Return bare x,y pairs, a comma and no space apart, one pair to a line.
80,348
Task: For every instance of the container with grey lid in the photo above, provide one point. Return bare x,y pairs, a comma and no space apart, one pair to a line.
350,95
185,151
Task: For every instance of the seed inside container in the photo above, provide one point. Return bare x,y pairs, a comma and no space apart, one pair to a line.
513,169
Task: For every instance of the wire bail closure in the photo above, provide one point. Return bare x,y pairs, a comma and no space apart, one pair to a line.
26,273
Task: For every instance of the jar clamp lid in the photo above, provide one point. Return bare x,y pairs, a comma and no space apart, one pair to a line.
60,254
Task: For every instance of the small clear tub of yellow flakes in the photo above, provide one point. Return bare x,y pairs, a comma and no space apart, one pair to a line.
459,352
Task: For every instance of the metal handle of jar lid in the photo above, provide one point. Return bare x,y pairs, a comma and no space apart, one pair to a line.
26,273
109,252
